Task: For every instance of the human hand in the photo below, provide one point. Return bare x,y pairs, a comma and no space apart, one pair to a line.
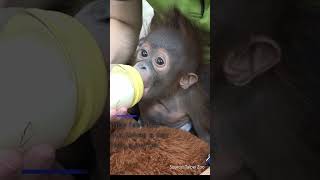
119,111
125,25
12,162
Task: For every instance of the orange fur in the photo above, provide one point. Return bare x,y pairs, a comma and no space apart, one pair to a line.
169,147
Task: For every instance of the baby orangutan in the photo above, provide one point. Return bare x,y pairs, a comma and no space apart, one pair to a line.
168,59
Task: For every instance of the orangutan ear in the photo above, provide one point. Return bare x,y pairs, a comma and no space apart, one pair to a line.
188,80
255,58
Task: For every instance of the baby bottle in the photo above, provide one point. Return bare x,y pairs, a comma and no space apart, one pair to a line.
126,86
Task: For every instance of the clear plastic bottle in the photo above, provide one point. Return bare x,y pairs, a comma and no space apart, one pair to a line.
126,86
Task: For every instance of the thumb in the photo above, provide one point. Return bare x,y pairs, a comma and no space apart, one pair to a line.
39,157
11,163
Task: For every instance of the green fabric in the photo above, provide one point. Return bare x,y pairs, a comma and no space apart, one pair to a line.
192,10
81,53
310,3
309,6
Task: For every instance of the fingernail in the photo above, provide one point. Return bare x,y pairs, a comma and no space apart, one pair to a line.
11,163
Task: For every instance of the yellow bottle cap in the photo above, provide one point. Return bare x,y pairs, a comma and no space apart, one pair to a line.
135,78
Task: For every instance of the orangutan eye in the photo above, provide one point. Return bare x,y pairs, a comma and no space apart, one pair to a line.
144,53
160,61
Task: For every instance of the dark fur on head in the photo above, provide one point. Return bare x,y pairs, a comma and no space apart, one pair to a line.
174,19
